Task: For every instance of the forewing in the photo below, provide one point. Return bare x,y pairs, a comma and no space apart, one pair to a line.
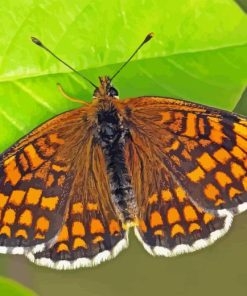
36,177
92,232
203,148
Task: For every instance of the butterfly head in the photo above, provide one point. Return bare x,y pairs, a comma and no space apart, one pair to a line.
105,91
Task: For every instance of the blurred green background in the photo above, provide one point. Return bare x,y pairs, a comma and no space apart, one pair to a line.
199,53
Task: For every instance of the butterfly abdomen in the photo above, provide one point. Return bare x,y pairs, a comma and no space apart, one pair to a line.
112,136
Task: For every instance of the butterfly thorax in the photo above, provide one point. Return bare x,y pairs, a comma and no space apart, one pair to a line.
112,135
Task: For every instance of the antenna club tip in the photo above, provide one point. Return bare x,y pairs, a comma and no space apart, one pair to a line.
148,37
36,41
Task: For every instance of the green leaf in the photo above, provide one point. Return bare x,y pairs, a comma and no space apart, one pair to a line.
242,104
9,287
198,53
242,4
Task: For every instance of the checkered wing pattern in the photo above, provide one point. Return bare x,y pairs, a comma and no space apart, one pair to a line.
200,150
35,183
170,224
92,232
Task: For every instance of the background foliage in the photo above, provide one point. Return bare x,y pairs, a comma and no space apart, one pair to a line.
199,53
9,287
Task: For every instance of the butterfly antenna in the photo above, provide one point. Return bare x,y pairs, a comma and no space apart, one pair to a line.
148,37
40,44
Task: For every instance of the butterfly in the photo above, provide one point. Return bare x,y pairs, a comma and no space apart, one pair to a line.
173,170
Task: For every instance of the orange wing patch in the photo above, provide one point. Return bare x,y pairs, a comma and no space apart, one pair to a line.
173,215
196,175
166,195
155,219
190,213
42,224
33,157
12,172
9,216
77,208
33,196
78,229
17,197
26,218
96,226
49,203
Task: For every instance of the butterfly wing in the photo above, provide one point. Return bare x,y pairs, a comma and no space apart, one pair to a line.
170,224
201,150
36,179
92,232
55,198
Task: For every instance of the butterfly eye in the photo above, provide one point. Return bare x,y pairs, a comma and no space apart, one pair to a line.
113,92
